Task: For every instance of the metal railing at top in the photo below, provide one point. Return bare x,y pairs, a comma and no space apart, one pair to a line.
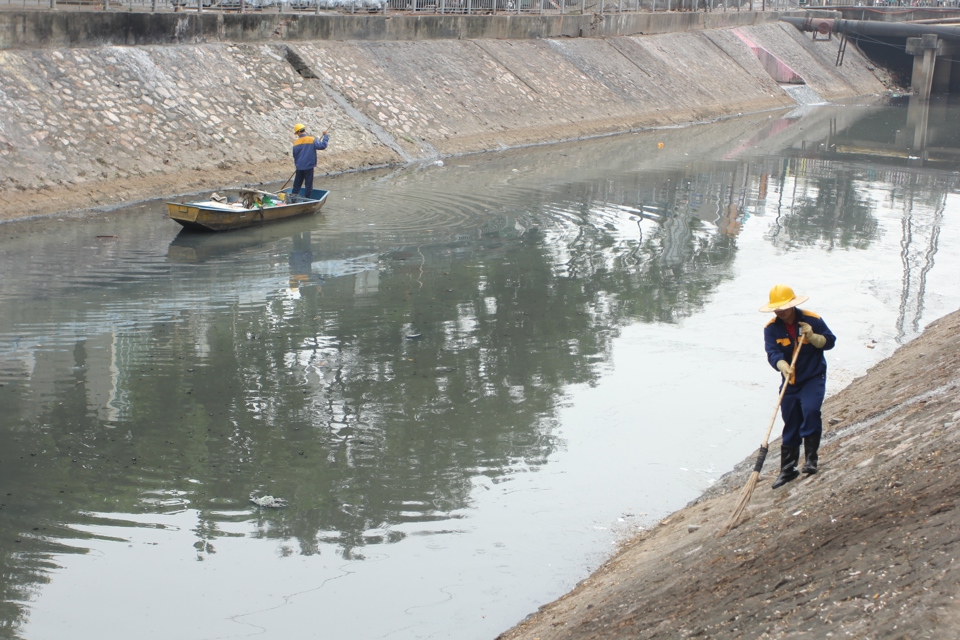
467,7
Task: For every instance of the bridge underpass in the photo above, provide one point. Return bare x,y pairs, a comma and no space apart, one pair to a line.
933,46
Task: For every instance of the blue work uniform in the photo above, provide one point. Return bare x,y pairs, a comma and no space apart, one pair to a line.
305,159
800,408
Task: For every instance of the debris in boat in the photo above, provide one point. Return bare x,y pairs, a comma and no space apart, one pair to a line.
268,501
216,197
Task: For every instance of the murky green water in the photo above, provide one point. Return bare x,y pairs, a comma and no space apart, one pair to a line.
467,381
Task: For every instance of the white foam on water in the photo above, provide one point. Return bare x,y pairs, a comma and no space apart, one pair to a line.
802,94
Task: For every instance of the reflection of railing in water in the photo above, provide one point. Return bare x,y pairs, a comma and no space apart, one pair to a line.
917,255
918,245
920,222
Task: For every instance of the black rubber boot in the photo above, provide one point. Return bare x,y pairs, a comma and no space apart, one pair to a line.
811,444
789,457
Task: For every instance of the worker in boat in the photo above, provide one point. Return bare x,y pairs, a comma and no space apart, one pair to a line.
806,381
305,149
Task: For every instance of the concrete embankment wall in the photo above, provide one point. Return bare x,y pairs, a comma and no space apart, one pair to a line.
36,29
95,126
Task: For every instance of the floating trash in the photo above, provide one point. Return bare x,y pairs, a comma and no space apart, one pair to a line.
269,502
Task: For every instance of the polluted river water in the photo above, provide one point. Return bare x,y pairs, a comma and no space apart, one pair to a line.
467,380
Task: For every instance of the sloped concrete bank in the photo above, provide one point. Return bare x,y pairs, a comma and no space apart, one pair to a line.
99,126
866,548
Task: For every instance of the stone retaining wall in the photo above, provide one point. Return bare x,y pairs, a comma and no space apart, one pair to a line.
94,126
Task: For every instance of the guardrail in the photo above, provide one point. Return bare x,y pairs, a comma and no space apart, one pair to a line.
467,7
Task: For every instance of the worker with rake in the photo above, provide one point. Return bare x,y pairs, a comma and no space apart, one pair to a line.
794,328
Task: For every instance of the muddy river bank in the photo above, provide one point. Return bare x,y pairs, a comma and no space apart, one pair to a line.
865,548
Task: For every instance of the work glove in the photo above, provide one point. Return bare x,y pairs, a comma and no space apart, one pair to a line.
815,339
785,369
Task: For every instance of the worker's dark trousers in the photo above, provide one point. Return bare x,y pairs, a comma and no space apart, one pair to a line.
800,410
304,177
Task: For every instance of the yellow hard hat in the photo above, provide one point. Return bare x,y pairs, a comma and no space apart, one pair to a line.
782,297
297,128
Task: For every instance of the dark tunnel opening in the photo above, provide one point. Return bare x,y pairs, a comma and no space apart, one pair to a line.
890,54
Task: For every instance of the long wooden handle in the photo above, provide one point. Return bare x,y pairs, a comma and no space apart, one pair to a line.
783,390
288,181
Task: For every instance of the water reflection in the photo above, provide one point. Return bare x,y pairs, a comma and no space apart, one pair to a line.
832,209
301,263
368,365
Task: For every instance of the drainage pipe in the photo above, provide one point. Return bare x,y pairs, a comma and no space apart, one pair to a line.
935,21
873,28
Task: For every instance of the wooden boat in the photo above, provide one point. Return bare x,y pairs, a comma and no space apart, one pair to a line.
249,208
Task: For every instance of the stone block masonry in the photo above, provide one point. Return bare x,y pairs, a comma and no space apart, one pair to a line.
98,126
119,115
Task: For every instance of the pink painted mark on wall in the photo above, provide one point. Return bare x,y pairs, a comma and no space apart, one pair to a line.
777,126
771,63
